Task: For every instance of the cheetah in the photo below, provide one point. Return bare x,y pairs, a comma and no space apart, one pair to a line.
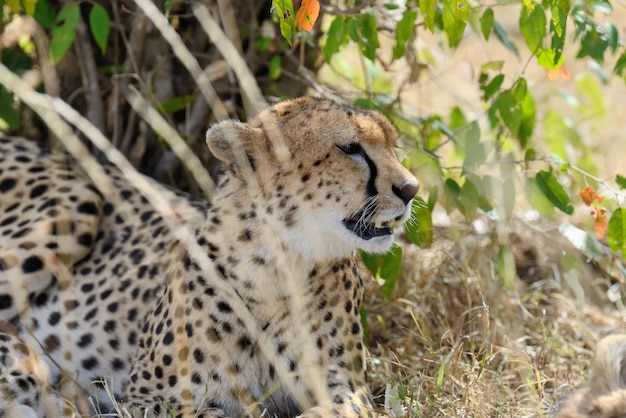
605,394
255,310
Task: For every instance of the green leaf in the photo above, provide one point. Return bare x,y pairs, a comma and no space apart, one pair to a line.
612,35
404,33
29,6
427,168
286,17
177,103
167,6
494,85
64,31
275,68
469,199
549,59
510,111
427,8
9,109
558,28
455,15
475,151
506,267
602,6
553,190
486,23
369,36
419,228
593,44
504,38
621,181
532,24
457,119
44,13
617,231
527,123
620,66
335,37
452,195
99,25
385,266
537,199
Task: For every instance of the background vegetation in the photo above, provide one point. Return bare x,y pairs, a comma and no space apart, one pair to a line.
511,117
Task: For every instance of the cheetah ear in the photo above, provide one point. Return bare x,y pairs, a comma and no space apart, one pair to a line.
233,143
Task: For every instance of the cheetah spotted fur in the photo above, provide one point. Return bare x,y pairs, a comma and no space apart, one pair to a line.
254,311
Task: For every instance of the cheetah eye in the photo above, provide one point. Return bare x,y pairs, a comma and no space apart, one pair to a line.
350,149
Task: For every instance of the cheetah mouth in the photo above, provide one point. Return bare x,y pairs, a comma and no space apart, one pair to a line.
367,230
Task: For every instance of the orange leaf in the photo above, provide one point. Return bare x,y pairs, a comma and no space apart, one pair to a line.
588,195
600,223
562,72
307,15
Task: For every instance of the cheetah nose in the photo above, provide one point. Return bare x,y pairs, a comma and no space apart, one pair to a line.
406,191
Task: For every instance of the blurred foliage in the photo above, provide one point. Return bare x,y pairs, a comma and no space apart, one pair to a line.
507,155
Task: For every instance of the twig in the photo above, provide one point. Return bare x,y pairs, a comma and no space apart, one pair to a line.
249,86
176,143
89,74
353,11
185,57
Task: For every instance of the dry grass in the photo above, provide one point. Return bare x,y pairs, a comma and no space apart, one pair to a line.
454,342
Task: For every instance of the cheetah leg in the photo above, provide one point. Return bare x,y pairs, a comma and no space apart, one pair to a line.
345,404
178,411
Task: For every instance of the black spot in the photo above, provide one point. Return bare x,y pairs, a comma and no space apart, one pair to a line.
196,378
40,299
137,255
38,191
355,328
6,301
172,381
85,340
32,264
91,314
87,287
198,355
167,359
88,208
168,338
109,326
7,184
305,178
348,306
54,318
117,364
85,239
90,362
8,220
224,307
244,342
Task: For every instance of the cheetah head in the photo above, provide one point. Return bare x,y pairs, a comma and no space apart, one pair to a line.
328,171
